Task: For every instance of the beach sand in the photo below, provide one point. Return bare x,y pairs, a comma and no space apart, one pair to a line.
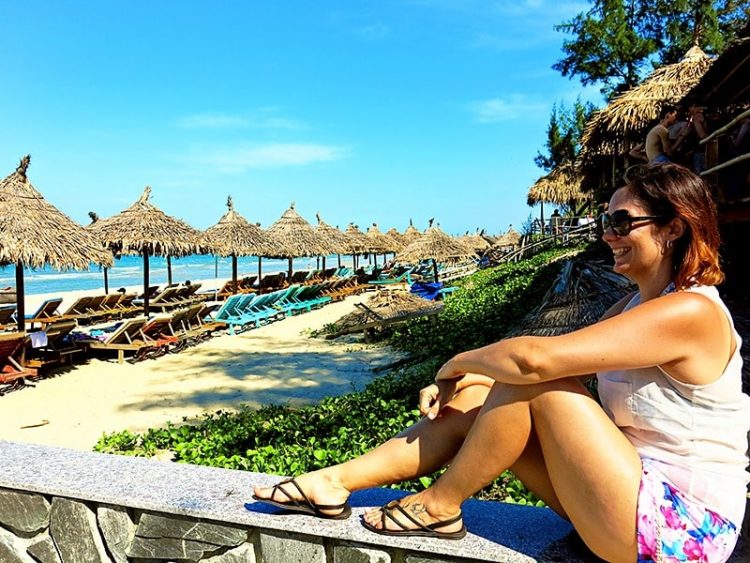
275,364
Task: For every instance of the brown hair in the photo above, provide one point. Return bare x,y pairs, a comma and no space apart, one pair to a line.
673,191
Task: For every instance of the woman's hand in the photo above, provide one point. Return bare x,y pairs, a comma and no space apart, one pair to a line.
435,396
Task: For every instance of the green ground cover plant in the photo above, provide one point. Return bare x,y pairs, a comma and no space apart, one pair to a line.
288,441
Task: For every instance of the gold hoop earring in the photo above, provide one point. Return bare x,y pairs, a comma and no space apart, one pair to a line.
669,244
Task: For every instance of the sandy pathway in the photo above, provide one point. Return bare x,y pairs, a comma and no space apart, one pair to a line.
278,363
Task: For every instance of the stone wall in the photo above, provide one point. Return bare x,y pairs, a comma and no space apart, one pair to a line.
65,506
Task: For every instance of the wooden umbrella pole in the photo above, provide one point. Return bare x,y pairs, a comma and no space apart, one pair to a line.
339,259
106,281
234,274
435,269
20,299
259,272
145,281
169,269
324,265
290,267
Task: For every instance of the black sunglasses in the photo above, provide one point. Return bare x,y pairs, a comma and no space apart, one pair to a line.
621,222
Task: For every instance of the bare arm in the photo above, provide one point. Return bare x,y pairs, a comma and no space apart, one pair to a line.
680,332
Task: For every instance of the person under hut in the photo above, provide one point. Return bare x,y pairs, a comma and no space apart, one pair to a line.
658,466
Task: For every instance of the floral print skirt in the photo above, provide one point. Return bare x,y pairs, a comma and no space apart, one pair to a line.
673,527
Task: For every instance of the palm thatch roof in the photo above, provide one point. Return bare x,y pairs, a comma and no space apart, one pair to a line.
380,242
435,245
294,237
144,227
35,233
399,242
411,233
581,294
234,235
725,84
338,240
630,114
561,186
476,242
357,243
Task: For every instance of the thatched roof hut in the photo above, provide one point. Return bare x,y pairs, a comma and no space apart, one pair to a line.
235,236
581,294
562,186
411,233
338,240
630,114
145,229
35,233
294,237
437,246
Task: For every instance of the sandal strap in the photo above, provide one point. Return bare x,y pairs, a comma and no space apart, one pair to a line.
388,509
296,502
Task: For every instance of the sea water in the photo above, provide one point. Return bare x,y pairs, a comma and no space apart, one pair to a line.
128,271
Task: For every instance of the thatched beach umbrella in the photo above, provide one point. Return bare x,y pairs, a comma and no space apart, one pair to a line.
437,246
630,114
398,240
380,242
35,233
411,233
234,236
357,242
476,242
294,237
145,229
561,186
338,240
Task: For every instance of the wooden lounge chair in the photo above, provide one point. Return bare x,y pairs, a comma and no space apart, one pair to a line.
12,373
125,337
60,348
7,316
46,311
163,300
272,282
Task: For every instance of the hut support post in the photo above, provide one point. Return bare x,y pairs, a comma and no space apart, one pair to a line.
20,298
324,266
339,259
106,280
290,267
145,281
541,217
435,269
234,274
169,269
260,272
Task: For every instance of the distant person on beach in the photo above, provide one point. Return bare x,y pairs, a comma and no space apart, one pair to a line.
555,222
658,144
656,467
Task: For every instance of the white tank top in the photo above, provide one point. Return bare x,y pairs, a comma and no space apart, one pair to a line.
697,433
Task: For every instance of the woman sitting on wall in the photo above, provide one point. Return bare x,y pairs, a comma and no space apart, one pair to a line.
656,469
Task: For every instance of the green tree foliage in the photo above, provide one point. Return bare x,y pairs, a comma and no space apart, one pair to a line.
615,42
564,134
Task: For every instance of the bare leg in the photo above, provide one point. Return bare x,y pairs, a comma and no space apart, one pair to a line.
592,471
421,449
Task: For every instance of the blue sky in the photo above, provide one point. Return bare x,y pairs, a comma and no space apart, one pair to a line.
364,111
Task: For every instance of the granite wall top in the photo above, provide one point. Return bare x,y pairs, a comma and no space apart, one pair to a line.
498,532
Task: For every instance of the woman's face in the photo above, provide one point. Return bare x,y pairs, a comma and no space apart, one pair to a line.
639,254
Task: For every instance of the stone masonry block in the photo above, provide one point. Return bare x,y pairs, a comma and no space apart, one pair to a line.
242,554
75,533
43,550
358,554
118,530
12,549
23,512
277,547
159,526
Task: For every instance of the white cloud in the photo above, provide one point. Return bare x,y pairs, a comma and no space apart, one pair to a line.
243,121
275,155
505,109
